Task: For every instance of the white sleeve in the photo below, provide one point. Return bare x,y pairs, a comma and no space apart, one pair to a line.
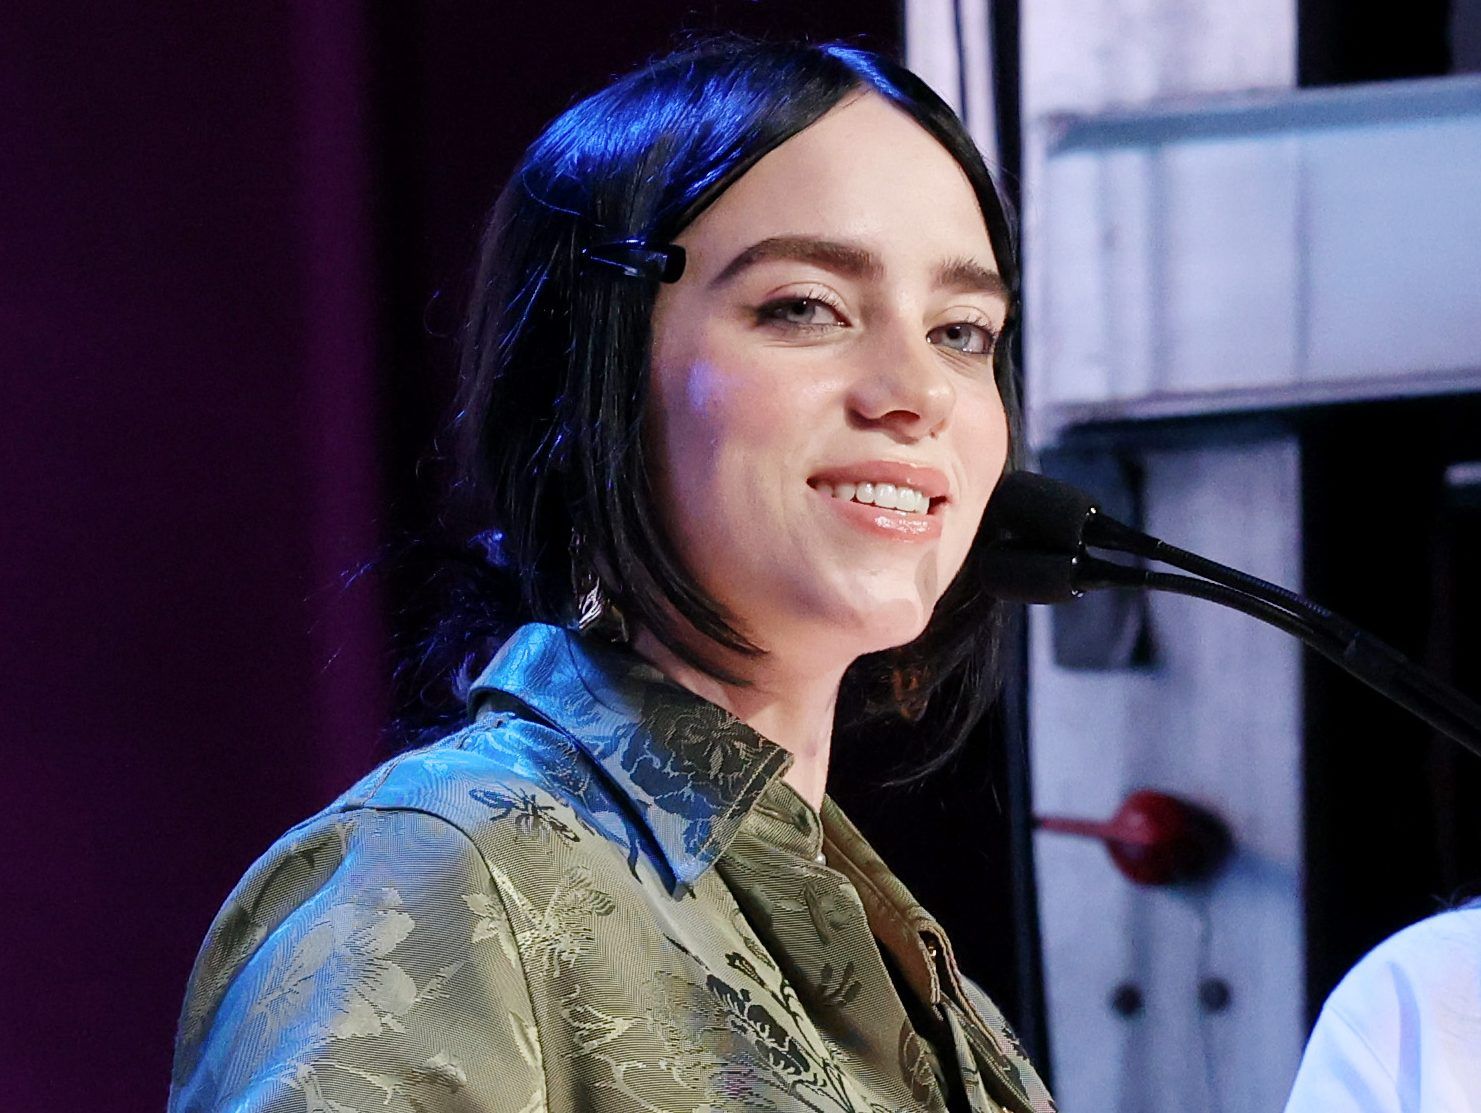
1402,1032
1341,1072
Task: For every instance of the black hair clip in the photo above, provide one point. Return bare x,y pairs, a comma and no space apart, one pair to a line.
639,259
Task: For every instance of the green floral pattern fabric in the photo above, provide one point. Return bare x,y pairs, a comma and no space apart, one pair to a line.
599,896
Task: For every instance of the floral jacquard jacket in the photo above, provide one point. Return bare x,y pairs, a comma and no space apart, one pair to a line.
599,896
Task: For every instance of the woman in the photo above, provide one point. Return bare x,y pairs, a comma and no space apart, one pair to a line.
734,402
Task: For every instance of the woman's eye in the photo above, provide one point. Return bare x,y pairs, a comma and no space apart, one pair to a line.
801,313
963,336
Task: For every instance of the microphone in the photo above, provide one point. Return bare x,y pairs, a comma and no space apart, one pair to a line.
1046,514
1039,512
1040,528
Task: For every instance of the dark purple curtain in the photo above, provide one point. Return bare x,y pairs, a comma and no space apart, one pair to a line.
189,461
222,228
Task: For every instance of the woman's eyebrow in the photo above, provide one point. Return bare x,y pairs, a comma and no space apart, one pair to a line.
965,275
849,260
854,261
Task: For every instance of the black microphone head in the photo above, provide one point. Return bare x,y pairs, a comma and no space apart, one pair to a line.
1029,575
1038,512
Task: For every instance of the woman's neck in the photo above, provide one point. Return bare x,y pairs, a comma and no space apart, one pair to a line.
788,702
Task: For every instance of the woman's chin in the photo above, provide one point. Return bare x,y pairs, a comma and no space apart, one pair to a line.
842,623
887,623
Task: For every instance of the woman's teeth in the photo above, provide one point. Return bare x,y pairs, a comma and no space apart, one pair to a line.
885,495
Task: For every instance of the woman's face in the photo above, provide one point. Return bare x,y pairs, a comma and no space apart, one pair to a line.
831,342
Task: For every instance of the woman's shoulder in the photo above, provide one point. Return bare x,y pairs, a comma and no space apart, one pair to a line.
515,787
466,778
366,919
502,797
343,951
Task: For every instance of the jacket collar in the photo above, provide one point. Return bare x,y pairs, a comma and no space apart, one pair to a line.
690,770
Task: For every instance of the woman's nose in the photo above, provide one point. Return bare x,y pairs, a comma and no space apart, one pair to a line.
903,386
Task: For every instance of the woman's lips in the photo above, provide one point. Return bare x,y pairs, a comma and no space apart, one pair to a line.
876,521
928,481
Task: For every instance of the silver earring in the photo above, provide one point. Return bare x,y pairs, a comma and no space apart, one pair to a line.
595,611
592,607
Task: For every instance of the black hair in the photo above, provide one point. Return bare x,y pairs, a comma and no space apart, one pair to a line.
550,468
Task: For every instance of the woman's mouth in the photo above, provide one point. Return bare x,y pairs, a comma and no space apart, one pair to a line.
885,509
886,496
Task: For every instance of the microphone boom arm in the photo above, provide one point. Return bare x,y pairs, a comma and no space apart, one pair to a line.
1043,529
1365,657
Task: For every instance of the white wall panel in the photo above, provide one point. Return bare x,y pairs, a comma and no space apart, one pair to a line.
1394,235
1087,55
1224,235
1216,720
1257,253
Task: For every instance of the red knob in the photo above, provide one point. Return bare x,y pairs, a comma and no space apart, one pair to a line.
1154,838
